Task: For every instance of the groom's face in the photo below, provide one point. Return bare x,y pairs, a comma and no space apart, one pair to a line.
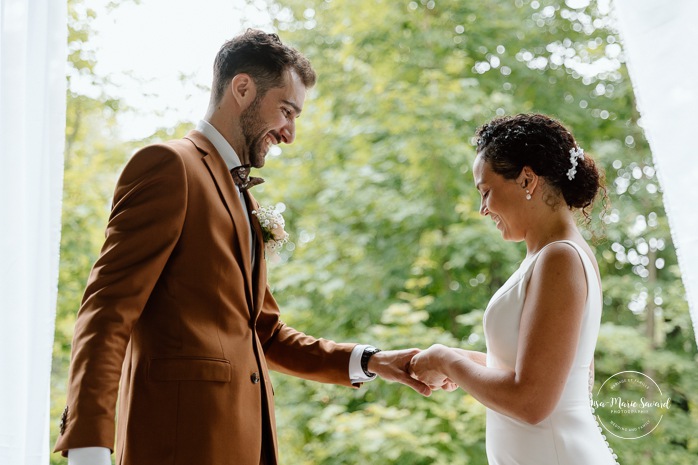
271,118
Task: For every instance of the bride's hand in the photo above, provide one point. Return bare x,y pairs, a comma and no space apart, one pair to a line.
425,367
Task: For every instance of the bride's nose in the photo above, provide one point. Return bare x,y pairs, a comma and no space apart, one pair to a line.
483,209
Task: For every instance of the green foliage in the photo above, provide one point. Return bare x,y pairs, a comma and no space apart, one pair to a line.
387,245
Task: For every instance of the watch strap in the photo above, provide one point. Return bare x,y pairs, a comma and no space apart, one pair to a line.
369,352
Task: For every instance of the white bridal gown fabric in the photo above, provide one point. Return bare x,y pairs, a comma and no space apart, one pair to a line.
570,435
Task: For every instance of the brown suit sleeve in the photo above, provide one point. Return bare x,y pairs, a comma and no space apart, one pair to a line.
145,223
295,353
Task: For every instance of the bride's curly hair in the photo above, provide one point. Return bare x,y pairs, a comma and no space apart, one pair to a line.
510,143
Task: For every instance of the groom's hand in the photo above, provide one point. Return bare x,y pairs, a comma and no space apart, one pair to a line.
393,365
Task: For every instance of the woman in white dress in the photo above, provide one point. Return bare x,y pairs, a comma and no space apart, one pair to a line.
541,326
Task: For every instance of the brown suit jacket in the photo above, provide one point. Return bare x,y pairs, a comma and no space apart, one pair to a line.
179,324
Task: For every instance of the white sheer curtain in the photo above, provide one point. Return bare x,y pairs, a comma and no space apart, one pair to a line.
660,39
33,36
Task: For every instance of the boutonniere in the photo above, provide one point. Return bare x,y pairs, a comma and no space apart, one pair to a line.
272,223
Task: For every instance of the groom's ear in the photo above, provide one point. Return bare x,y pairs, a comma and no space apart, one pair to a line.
243,89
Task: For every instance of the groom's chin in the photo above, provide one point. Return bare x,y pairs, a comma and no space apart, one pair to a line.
258,160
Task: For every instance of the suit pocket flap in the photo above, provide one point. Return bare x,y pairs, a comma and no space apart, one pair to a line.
190,369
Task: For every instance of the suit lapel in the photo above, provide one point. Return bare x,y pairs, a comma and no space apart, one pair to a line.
229,193
259,282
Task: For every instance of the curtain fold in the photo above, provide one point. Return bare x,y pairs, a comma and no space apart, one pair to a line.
659,40
33,35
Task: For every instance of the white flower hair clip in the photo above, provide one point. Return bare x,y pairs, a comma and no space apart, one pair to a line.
575,153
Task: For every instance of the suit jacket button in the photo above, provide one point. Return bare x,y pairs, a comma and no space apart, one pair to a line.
255,378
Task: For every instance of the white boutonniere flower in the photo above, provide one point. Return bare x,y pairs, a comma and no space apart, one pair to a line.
272,223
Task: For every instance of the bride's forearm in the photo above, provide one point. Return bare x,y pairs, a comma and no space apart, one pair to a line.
495,388
478,357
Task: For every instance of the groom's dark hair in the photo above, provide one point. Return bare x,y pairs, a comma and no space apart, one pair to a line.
263,57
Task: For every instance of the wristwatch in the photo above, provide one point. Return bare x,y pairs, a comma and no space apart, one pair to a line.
369,352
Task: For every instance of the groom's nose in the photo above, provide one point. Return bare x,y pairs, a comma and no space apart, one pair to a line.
288,132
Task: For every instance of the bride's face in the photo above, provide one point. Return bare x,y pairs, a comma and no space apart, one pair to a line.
501,199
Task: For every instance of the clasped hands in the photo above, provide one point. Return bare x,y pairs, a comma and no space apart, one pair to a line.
418,369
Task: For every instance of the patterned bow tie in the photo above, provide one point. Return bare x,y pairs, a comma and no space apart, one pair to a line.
242,179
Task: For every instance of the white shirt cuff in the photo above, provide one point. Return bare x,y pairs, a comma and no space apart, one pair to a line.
356,373
89,456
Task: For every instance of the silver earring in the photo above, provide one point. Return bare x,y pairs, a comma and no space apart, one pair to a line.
528,195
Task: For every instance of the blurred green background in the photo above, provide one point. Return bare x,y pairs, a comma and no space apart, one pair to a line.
387,246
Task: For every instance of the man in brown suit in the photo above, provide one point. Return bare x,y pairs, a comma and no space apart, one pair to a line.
177,317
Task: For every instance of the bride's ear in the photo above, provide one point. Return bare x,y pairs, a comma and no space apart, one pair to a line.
528,180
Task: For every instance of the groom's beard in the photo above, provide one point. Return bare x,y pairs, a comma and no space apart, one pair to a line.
254,133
